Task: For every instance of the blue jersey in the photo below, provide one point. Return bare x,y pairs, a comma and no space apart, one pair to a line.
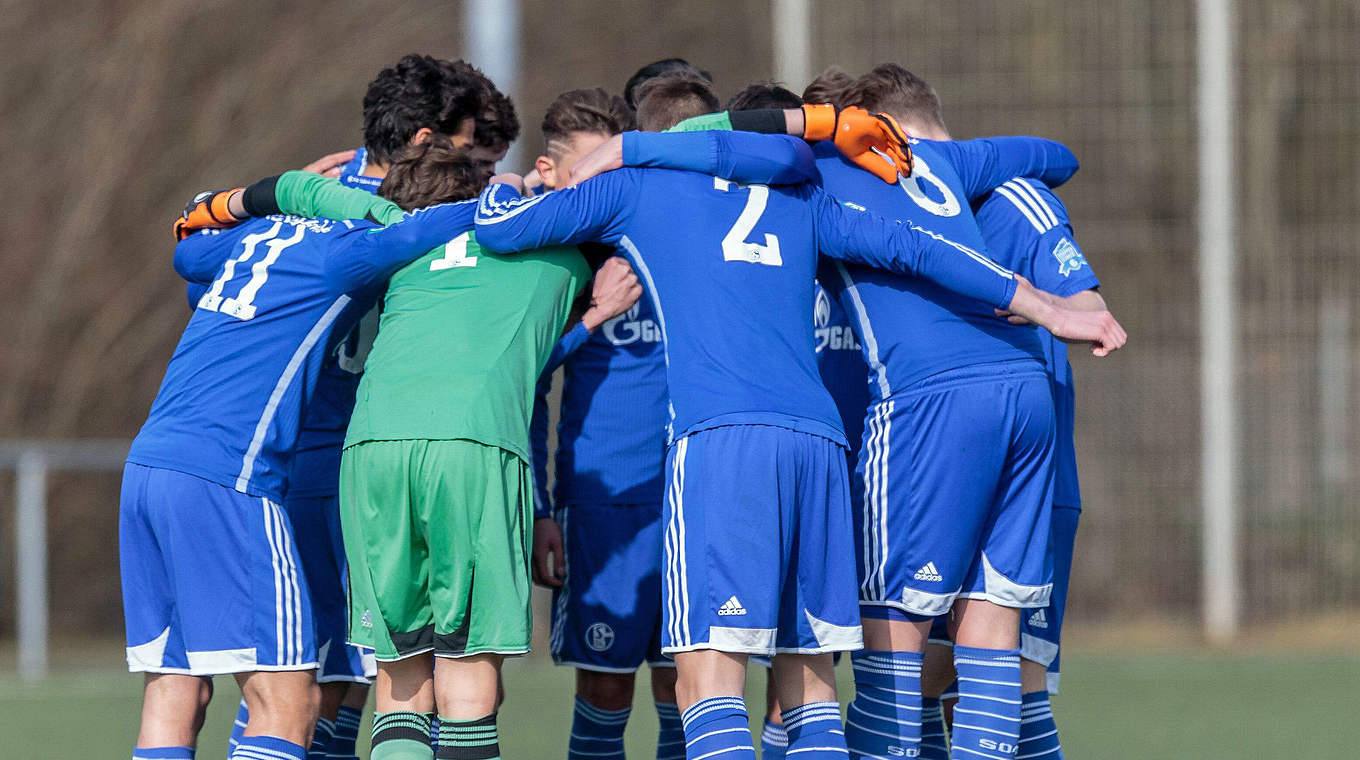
612,434
234,392
316,461
841,365
1027,228
911,328
729,269
352,173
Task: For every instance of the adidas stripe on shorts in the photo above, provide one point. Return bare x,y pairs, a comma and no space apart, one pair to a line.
212,583
758,555
958,481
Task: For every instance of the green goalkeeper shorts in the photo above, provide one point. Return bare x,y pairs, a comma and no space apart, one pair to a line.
437,540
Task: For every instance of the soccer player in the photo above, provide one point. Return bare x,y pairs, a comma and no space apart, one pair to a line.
757,513
936,532
605,571
656,69
407,102
212,581
842,370
1027,226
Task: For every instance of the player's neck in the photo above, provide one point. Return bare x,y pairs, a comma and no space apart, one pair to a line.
374,169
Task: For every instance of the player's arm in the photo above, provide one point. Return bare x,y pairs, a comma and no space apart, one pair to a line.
548,561
744,157
596,210
867,239
985,163
313,196
199,257
368,255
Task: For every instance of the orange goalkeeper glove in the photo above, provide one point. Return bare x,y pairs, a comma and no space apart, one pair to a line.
208,210
875,141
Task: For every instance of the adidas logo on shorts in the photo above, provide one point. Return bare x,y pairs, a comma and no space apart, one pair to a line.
1038,619
928,573
732,607
367,620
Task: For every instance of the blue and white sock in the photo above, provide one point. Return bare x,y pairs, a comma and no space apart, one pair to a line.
267,748
774,741
1038,732
815,731
434,731
718,728
596,734
321,739
163,753
346,734
987,717
239,727
884,719
670,737
934,737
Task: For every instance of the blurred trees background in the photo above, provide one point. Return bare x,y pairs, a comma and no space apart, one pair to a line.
116,112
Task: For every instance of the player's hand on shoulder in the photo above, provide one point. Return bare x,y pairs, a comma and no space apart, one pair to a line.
549,565
207,210
606,157
874,141
329,165
615,291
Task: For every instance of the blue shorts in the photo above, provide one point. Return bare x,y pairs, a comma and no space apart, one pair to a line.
1041,630
607,616
958,482
212,582
758,552
316,531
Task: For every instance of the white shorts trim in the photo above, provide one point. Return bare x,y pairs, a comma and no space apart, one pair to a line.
1007,593
832,637
594,668
1035,649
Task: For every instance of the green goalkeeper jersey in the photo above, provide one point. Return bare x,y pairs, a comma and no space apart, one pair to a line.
464,332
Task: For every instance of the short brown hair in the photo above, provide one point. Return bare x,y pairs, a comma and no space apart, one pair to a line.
671,98
768,94
828,87
588,110
431,172
893,90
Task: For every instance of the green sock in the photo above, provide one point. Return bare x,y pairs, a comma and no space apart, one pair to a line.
468,739
401,735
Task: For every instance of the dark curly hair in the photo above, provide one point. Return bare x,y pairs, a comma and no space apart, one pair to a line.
497,123
431,172
418,92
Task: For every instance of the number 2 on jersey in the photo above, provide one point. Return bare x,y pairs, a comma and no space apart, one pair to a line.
735,245
242,306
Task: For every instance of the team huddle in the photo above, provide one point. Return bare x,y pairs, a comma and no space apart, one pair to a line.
814,399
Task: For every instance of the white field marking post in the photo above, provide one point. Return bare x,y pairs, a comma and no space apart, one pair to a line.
491,30
1217,107
792,22
30,548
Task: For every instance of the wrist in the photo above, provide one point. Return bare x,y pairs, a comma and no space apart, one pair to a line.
819,122
593,318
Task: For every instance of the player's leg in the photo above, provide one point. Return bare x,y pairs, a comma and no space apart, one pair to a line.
819,605
172,700
723,572
670,736
389,565
917,533
350,715
479,584
774,740
937,679
607,616
316,530
1011,573
1040,636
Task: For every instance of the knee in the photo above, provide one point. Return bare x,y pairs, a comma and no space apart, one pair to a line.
607,691
663,685
290,695
204,697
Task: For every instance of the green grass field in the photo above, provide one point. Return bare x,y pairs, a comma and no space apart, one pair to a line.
1213,705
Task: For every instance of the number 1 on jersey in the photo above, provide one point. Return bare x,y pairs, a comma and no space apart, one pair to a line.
735,245
455,255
